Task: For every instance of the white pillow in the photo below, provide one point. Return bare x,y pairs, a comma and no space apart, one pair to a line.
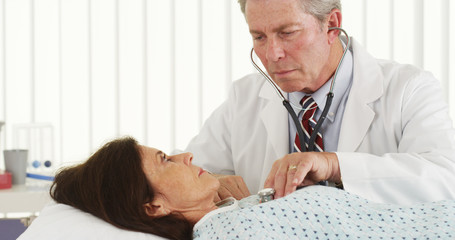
60,221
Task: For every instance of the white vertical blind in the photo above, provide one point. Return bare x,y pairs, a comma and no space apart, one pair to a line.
103,112
75,79
355,24
377,32
405,32
215,34
187,75
161,74
131,68
451,64
241,44
2,76
17,60
432,38
47,67
155,70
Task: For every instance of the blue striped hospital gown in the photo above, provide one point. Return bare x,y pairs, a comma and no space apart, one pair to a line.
319,212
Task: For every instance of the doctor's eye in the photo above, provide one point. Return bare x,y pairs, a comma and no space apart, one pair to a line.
258,38
287,33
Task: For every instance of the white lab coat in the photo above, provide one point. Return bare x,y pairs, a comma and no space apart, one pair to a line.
396,141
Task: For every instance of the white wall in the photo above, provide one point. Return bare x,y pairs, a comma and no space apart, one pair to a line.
155,70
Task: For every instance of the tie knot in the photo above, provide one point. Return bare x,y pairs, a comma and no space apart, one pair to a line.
308,101
309,107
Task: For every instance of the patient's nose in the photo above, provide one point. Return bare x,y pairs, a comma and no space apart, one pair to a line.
186,158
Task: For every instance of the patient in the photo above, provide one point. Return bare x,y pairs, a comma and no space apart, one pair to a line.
139,188
142,189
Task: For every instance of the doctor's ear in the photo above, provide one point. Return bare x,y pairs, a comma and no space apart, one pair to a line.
333,20
155,209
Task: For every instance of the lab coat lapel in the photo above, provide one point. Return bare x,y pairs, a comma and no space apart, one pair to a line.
366,88
275,119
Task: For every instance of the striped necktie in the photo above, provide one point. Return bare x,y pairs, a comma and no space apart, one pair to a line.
308,123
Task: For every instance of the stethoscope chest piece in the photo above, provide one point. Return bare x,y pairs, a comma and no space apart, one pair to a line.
266,195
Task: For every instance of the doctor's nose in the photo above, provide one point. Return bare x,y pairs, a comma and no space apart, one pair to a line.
274,51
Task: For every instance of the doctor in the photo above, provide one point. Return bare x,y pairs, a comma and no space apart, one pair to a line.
387,137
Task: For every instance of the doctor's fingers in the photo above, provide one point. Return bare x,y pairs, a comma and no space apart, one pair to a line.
293,169
283,179
223,193
316,167
238,187
301,176
216,198
296,176
243,188
233,186
270,180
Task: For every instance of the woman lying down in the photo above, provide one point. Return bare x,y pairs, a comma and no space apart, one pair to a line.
142,189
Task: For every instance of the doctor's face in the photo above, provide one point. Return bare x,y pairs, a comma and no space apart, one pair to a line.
290,43
181,185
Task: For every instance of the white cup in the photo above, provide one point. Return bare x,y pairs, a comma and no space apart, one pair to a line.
16,164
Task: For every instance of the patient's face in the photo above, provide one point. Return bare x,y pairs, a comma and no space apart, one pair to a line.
180,184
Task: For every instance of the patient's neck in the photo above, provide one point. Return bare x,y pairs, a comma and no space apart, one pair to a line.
194,215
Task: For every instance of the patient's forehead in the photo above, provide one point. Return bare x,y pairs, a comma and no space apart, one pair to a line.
150,158
149,151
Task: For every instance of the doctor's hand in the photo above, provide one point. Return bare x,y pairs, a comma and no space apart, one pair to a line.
302,169
231,186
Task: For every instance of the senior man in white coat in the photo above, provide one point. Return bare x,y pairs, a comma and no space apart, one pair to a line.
388,136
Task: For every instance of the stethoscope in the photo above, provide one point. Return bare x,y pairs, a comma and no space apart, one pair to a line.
287,104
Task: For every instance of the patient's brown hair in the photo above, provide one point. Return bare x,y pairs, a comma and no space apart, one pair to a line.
112,186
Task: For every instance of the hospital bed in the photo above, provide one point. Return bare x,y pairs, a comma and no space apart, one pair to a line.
315,211
60,221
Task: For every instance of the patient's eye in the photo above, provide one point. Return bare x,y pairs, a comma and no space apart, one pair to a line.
164,158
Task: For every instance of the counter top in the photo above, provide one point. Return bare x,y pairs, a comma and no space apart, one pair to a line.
30,197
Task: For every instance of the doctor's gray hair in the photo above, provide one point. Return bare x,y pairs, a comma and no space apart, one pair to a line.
320,9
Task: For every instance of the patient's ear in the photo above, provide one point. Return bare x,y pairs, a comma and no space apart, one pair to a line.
155,209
